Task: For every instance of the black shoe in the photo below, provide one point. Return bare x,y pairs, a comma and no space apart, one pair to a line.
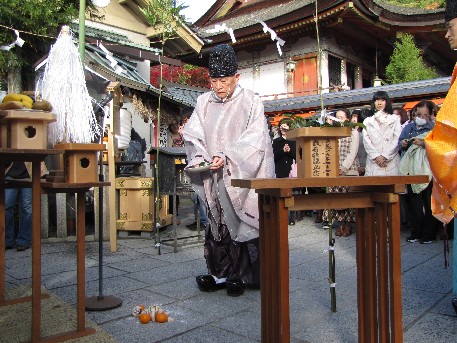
412,239
291,222
454,304
235,288
425,241
22,248
189,226
206,283
193,227
8,247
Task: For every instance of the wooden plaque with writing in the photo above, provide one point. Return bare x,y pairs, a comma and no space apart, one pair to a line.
317,150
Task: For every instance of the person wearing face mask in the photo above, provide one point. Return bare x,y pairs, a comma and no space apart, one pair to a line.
228,128
380,138
424,226
422,123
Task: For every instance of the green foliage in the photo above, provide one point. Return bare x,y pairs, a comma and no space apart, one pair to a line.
166,13
429,4
297,122
41,21
406,63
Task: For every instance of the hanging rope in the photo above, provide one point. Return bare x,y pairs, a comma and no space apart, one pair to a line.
319,59
331,253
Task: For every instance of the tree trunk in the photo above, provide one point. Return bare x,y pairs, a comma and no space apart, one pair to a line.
14,81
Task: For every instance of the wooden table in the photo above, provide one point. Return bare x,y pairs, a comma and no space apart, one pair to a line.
79,189
36,157
379,297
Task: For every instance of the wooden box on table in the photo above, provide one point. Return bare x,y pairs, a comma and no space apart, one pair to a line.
80,162
320,146
25,129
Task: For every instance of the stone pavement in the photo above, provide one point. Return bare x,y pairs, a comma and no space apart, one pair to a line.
139,275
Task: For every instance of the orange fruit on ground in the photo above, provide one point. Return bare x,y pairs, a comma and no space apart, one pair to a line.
161,317
145,318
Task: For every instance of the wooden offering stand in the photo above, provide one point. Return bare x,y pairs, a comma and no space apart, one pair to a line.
80,162
36,156
376,200
25,129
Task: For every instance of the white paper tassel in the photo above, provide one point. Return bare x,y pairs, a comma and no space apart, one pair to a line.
64,86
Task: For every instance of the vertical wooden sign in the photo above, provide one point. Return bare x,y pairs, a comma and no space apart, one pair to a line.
317,150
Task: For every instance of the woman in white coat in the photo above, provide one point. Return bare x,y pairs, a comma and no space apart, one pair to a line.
380,138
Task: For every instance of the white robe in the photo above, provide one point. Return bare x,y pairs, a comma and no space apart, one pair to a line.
237,131
380,138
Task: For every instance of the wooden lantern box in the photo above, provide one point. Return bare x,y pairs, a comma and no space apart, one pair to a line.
317,150
136,204
80,162
25,129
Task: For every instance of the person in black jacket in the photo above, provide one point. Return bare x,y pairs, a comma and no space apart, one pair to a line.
284,155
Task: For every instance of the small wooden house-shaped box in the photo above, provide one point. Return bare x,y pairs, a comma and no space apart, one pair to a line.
25,129
80,161
317,150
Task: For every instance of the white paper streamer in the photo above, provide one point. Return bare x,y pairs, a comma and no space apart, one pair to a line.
279,42
333,285
325,251
64,86
109,56
19,42
223,28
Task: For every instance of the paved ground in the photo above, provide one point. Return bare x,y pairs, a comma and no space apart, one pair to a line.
139,275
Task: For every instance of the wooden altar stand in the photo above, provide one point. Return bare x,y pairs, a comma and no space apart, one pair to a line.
379,295
36,156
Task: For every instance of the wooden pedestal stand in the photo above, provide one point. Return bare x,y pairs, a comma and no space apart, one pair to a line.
377,235
377,242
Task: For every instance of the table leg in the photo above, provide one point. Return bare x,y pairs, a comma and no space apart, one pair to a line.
382,273
36,251
80,261
2,232
274,269
366,276
175,220
396,323
360,232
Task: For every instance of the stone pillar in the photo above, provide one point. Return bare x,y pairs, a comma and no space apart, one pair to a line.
105,207
323,67
344,73
358,84
44,216
61,215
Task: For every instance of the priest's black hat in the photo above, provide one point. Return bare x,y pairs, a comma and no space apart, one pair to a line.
222,61
451,10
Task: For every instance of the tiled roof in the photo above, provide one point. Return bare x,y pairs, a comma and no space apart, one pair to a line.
264,14
187,94
356,97
268,12
130,77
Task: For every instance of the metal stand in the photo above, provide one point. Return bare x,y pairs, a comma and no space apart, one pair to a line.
101,302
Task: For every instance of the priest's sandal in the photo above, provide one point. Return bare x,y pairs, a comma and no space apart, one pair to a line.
235,288
206,283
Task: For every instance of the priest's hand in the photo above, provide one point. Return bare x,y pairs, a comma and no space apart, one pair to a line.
217,163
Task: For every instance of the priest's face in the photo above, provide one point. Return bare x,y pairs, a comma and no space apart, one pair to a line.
451,34
223,87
